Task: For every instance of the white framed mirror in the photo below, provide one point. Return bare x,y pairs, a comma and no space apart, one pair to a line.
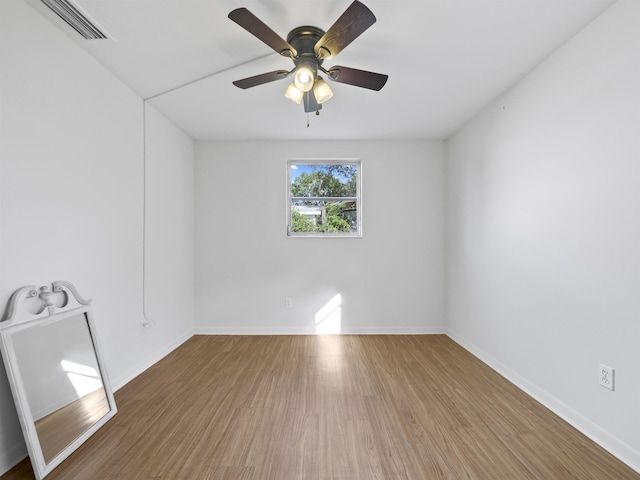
54,365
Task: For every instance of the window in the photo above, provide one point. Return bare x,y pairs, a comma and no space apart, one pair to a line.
323,198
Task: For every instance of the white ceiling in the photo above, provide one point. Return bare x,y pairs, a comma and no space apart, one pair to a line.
446,59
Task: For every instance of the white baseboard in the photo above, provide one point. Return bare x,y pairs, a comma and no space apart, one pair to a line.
613,445
124,378
289,331
396,331
11,457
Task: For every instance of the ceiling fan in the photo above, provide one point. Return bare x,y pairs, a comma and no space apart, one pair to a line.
309,47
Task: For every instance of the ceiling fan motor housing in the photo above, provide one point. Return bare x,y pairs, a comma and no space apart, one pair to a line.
304,39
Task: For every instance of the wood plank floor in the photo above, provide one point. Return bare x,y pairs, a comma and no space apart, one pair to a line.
330,407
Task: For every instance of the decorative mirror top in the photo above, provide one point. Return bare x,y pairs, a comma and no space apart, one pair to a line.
31,301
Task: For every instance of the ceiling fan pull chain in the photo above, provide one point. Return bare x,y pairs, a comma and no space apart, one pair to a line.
307,119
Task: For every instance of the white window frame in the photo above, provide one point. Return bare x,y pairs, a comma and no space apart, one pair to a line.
357,198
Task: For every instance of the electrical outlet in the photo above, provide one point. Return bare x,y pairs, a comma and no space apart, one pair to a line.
606,377
288,303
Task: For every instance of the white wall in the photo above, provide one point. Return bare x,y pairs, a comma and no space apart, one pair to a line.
71,200
169,240
390,281
544,231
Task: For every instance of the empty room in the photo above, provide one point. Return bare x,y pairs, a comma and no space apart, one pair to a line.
279,240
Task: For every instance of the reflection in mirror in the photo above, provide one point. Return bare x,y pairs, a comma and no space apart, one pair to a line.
57,377
61,380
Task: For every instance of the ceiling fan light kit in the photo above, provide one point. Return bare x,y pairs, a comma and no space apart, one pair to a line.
294,94
304,76
322,91
308,47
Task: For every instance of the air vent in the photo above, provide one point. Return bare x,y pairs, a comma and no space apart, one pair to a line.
75,18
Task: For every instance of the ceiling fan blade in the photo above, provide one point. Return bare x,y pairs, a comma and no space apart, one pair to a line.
359,78
260,79
351,24
260,30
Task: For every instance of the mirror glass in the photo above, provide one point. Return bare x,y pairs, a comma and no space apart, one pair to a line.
55,369
62,381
